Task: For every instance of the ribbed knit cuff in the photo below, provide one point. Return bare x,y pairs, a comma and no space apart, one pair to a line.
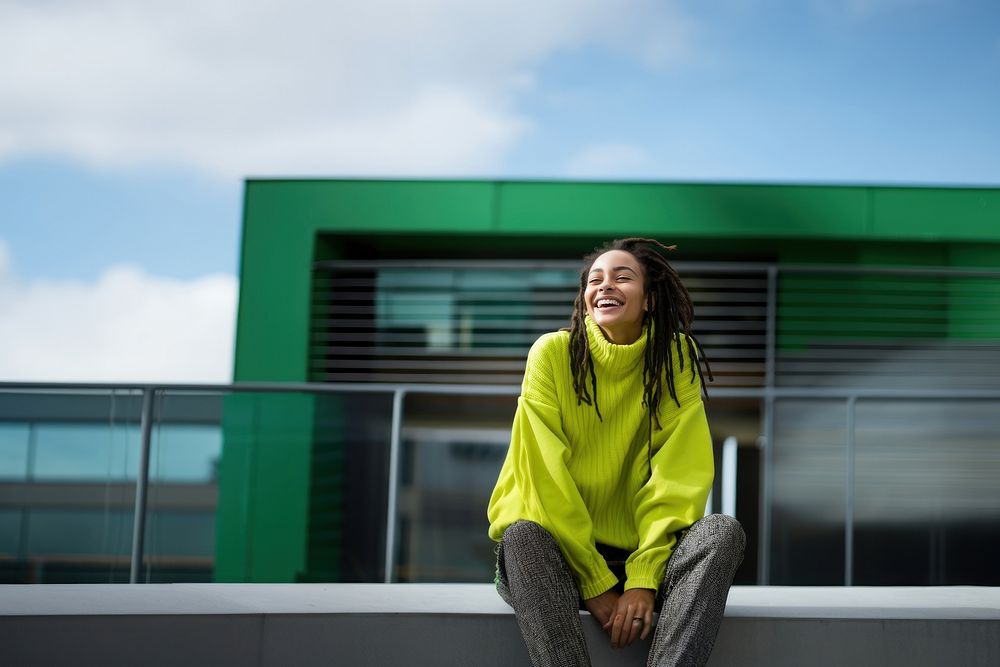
591,588
643,575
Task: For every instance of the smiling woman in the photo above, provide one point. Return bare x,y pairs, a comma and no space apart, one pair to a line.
603,511
614,296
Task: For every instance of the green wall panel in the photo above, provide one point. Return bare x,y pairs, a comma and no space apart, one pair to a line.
936,213
274,288
281,499
262,516
236,479
677,209
975,302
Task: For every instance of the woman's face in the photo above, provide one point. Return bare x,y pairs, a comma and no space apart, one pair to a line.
615,296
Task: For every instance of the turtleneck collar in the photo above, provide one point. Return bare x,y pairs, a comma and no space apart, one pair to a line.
610,356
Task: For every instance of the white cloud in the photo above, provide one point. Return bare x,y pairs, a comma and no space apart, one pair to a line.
298,87
126,326
610,160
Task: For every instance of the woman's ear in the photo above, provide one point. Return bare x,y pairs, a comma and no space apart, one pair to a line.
648,303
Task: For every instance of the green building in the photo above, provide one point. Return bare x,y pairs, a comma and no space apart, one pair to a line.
854,334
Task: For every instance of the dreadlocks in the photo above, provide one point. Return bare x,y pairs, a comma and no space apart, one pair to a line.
670,313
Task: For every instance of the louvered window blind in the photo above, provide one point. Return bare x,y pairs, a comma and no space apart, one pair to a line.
472,322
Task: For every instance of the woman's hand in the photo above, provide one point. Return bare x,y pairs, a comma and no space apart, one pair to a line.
602,606
633,614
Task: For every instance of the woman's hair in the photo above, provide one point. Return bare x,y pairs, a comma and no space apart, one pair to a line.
670,312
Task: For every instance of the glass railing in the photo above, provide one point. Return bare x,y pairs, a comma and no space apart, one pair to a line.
397,478
70,457
884,487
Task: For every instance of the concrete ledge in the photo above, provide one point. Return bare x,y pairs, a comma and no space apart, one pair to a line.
463,624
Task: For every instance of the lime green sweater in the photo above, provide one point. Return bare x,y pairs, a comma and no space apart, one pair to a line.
589,481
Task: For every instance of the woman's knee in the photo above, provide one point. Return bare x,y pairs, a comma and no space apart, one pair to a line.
723,531
528,558
523,533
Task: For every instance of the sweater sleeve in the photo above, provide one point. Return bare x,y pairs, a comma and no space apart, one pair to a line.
539,476
681,472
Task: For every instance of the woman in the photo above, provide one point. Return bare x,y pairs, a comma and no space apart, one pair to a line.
602,492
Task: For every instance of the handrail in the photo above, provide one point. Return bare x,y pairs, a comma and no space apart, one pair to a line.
844,392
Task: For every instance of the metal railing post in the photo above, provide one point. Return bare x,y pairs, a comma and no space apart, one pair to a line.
729,446
849,495
391,511
766,459
141,482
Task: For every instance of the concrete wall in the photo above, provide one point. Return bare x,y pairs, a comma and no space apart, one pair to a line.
449,624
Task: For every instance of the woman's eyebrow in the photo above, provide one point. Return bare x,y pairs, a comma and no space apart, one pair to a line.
615,268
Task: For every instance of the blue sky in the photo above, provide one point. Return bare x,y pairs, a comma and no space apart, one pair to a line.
126,129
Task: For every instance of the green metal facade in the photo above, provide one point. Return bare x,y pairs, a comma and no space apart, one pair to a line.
289,224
